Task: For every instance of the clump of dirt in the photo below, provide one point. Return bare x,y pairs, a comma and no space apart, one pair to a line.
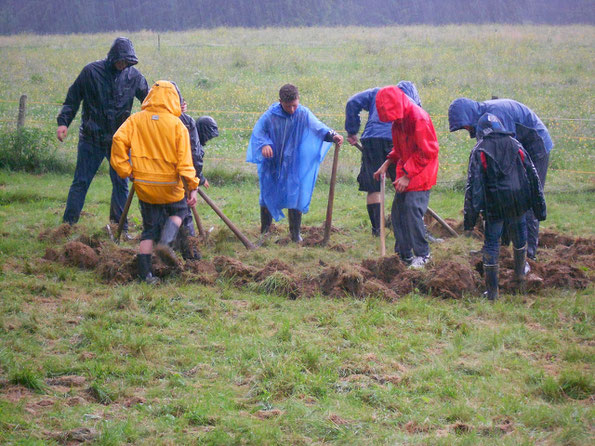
559,274
200,271
234,269
80,255
355,280
280,283
376,288
95,241
271,267
56,234
407,281
117,265
385,268
451,279
551,239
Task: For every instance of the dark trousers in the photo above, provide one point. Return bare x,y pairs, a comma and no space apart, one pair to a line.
541,165
517,230
407,215
88,160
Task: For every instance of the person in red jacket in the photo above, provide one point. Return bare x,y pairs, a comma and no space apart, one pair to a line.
415,153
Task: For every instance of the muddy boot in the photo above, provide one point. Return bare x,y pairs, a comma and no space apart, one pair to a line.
189,251
521,268
374,214
295,223
144,269
164,247
491,278
265,220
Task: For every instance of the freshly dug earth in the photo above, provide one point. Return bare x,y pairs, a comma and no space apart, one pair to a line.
564,262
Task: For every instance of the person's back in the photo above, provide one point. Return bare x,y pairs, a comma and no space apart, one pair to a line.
159,147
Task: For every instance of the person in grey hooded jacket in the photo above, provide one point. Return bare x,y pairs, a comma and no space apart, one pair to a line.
107,89
524,125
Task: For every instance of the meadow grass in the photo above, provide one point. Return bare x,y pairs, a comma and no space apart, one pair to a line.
189,364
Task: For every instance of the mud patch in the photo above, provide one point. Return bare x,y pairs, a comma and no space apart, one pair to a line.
80,255
386,268
200,271
234,269
117,265
271,267
56,234
408,281
452,279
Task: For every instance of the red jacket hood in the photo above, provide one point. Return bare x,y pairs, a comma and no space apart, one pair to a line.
392,104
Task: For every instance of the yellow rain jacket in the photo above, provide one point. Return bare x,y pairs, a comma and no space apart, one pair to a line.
153,146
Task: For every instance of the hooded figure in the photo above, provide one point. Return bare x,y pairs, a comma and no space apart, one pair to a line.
503,185
524,125
207,129
298,142
415,153
376,141
107,89
153,146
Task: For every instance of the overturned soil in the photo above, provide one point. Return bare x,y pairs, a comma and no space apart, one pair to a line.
564,262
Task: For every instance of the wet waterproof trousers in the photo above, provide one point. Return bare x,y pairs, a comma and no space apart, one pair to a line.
88,160
541,165
407,216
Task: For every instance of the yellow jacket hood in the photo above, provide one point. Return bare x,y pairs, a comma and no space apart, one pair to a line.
163,97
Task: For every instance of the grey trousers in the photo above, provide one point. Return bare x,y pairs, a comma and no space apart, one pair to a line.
407,215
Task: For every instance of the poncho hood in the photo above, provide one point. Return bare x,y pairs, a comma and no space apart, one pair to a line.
392,104
464,112
122,49
163,97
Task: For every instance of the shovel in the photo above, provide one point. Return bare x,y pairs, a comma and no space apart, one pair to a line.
331,198
382,222
201,230
116,238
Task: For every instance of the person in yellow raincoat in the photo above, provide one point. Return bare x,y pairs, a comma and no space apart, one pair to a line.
152,148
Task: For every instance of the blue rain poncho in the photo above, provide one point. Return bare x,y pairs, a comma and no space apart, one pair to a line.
287,179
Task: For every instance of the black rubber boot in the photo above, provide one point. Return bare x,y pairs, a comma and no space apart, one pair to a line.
144,269
164,247
521,268
265,220
491,278
295,223
374,213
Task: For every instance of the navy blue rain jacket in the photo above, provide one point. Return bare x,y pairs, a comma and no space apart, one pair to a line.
517,118
366,100
107,95
501,181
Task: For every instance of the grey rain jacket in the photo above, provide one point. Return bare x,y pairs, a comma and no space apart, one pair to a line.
501,181
107,95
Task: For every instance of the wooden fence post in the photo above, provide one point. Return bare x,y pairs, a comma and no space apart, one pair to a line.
22,111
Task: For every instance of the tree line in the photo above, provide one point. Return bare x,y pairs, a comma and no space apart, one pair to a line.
90,16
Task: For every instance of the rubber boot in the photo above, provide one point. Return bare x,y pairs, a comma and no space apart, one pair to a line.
374,214
144,269
164,247
521,268
491,278
295,223
189,252
265,220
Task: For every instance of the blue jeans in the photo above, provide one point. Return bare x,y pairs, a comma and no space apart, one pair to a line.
517,227
88,160
407,215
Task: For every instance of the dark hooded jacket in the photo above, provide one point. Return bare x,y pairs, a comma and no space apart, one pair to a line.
516,118
107,95
415,145
501,181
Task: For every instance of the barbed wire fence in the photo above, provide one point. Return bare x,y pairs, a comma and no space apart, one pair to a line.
572,162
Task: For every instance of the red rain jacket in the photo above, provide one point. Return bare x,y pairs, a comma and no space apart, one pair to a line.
415,146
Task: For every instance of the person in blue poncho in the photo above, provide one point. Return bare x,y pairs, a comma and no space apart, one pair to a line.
288,144
524,125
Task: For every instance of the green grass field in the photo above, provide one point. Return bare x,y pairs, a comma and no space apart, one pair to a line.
184,363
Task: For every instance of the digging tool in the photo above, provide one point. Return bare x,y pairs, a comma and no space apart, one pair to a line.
359,147
124,214
247,243
442,222
331,198
201,230
382,222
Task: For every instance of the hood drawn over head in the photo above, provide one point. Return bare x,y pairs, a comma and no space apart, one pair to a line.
489,123
163,97
392,104
410,90
207,129
122,49
463,112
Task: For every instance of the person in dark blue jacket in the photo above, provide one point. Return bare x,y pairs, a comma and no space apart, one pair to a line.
376,142
503,185
524,125
107,89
